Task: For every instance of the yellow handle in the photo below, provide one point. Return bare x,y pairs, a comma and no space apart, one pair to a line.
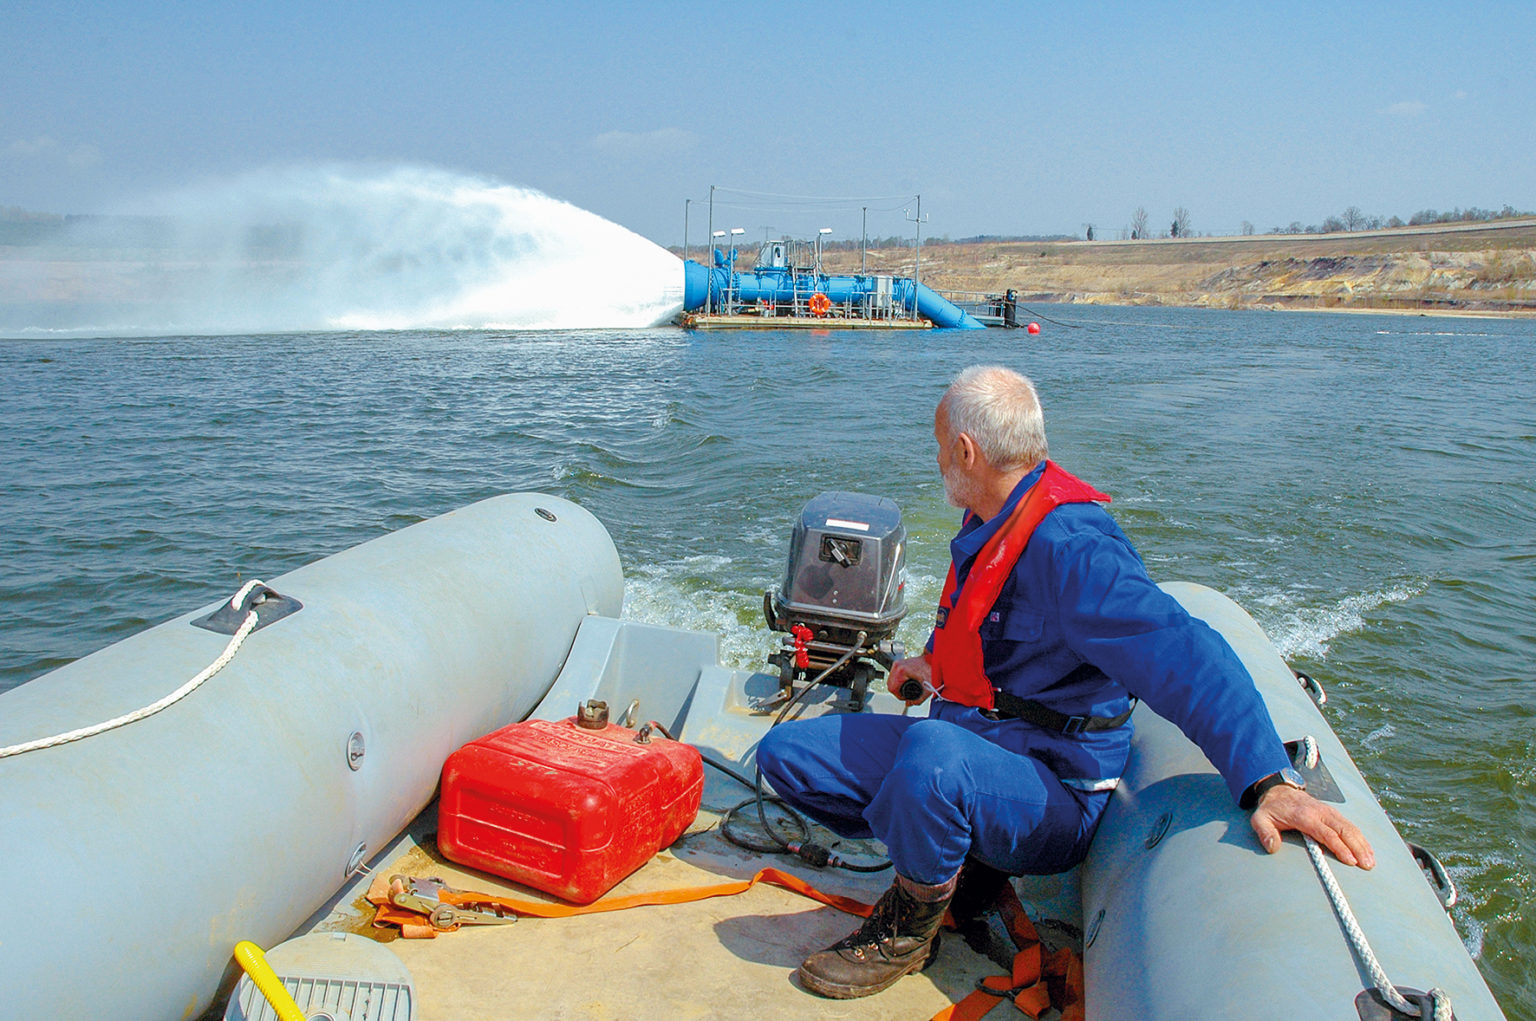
254,962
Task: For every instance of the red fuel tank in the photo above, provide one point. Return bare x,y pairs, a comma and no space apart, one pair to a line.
565,809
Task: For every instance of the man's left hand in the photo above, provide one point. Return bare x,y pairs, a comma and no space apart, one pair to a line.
1286,808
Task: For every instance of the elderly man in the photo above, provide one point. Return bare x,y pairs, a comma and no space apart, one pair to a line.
1047,630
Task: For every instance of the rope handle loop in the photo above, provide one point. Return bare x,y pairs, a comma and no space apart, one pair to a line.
252,590
1439,1000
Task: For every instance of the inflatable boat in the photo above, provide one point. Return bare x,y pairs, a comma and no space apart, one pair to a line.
153,822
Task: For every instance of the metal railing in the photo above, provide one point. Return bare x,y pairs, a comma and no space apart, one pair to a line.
991,309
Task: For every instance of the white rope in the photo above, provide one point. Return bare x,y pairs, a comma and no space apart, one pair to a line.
246,627
1440,1001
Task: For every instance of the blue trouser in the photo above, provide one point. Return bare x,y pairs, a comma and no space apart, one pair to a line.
932,791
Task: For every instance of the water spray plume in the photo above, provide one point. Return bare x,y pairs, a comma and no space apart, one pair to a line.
346,248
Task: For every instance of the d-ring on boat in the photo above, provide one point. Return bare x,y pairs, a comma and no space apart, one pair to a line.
252,807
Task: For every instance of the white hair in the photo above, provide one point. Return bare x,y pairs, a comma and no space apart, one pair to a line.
999,409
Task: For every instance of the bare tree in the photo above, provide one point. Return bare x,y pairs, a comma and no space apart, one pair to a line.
1138,224
1353,218
1247,228
1180,228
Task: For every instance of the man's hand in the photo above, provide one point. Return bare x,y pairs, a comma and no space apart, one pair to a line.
912,668
1286,808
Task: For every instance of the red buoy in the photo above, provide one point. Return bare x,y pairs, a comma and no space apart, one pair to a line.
1034,327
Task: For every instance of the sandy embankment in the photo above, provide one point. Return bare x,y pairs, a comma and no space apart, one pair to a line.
1475,268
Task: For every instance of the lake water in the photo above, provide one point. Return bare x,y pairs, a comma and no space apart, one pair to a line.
1365,486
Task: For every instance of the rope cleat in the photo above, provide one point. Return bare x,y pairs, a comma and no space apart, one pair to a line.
423,894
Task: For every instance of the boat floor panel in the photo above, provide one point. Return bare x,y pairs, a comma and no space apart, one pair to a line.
724,957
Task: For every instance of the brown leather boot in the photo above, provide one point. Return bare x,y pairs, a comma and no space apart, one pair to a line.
976,891
899,937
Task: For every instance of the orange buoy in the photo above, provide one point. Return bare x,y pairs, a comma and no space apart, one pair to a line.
820,304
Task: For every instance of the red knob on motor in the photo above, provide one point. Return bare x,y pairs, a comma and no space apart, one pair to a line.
802,635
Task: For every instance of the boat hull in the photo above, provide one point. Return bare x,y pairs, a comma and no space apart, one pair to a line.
1185,915
150,850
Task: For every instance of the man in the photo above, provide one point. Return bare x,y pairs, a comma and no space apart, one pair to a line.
1047,629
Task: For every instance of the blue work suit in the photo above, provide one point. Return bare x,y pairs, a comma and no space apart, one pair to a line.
1078,627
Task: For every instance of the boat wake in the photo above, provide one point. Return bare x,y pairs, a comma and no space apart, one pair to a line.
346,248
693,593
1309,630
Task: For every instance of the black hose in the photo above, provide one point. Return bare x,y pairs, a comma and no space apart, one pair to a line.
728,771
1048,319
804,848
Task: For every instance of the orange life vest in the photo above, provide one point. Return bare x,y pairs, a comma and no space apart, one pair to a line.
959,670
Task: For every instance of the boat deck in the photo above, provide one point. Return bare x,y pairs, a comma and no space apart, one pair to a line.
1157,910
732,956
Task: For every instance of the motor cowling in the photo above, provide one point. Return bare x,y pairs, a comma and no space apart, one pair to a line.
843,594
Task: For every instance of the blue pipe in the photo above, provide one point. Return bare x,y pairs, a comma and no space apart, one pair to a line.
776,286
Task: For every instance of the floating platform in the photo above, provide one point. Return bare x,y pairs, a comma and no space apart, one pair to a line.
753,321
788,279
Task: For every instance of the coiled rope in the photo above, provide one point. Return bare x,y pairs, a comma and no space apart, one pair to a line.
246,627
1439,999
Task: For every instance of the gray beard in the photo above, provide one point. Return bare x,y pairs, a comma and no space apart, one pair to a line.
957,490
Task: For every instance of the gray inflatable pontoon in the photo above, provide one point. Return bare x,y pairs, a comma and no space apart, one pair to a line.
232,815
242,811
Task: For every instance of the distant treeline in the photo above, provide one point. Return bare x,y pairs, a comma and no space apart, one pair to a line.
894,241
21,227
1353,219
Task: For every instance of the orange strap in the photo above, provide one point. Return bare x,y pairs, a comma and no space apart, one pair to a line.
1037,981
413,926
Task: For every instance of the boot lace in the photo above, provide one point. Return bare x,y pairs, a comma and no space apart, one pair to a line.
881,927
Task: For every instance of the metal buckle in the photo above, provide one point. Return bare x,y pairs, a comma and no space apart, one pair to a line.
423,894
1075,724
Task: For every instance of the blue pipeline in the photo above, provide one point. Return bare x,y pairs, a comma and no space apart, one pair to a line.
778,287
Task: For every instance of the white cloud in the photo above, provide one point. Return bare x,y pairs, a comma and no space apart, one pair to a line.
47,151
1407,108
32,148
643,144
83,157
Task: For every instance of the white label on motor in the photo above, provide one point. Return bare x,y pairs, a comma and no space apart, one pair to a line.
840,523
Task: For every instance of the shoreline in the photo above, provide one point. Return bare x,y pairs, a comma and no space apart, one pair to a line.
1358,310
1478,269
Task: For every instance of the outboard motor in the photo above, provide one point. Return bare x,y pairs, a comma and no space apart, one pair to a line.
843,594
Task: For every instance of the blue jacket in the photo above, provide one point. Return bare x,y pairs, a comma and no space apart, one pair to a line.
1079,595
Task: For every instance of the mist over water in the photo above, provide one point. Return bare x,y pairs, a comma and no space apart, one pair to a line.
342,248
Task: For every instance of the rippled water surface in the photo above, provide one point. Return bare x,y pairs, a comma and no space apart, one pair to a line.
1365,486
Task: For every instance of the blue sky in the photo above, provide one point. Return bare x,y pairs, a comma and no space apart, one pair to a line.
1007,118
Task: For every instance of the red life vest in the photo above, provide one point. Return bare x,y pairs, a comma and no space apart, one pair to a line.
959,670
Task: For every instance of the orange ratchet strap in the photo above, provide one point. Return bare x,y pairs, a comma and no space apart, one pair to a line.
1037,981
414,926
